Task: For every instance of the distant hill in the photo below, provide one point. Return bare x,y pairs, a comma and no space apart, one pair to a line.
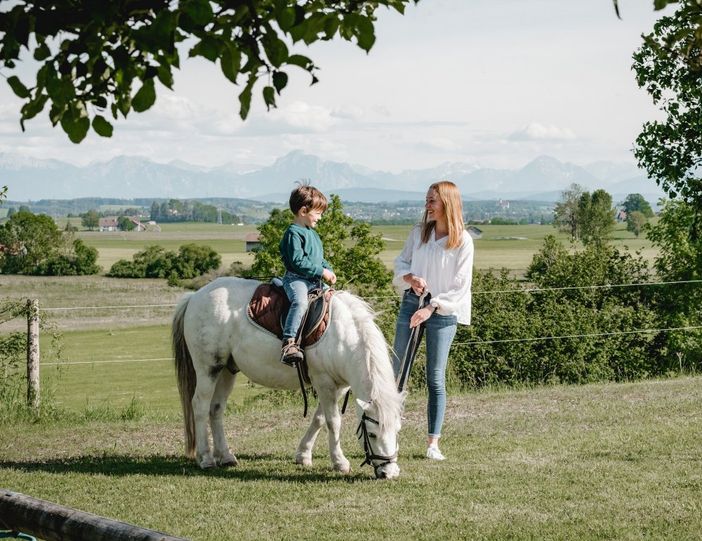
128,177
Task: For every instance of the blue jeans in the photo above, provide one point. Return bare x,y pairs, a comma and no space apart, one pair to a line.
439,331
296,288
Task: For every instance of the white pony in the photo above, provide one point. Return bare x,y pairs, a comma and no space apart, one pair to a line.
213,340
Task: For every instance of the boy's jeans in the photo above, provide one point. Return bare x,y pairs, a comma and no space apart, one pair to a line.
296,288
439,331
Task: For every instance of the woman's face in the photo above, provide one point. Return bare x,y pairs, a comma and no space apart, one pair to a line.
434,207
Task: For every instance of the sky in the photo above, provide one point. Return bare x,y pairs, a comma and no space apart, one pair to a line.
492,83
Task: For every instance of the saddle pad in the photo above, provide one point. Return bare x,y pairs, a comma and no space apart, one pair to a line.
269,306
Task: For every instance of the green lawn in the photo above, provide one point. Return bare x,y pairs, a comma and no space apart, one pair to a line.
612,461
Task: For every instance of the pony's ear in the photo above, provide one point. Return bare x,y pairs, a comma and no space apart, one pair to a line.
363,404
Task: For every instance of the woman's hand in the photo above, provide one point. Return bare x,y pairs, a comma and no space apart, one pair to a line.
421,315
417,283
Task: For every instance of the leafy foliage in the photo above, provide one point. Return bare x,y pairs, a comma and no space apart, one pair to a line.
349,246
156,262
33,244
669,66
506,343
101,59
90,220
587,217
636,202
679,259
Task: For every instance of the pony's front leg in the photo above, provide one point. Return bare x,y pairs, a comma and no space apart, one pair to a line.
223,388
303,455
329,401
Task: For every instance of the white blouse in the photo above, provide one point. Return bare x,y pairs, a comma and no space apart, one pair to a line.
448,273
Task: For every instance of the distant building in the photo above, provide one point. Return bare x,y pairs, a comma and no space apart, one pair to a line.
108,224
474,232
253,242
138,226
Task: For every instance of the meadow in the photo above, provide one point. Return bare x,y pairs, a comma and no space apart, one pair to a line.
603,461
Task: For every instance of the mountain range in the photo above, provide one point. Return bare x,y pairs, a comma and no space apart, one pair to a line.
126,177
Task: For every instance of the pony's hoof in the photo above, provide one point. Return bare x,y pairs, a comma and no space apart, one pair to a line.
303,460
207,463
344,468
228,461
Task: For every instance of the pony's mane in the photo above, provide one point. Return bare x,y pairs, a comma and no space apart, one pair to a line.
377,363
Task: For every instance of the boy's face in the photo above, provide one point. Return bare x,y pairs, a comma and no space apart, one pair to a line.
309,217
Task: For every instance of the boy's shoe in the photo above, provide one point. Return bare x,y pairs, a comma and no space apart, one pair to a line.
291,353
433,453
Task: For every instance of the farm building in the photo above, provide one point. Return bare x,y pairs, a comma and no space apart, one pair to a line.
108,224
253,242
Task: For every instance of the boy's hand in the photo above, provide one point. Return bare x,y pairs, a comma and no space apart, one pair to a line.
329,276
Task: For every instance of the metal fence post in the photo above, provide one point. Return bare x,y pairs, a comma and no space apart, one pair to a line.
33,385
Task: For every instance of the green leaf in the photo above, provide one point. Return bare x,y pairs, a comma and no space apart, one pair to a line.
207,47
75,123
165,76
145,97
200,11
280,80
301,61
286,18
42,52
101,126
269,96
230,62
365,33
34,107
245,96
276,50
17,87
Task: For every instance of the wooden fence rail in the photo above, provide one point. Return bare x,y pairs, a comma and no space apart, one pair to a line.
53,522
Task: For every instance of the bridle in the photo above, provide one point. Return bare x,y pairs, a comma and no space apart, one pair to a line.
362,432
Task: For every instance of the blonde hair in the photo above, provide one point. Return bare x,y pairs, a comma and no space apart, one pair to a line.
449,195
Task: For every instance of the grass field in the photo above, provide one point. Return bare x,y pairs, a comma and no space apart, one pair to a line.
614,461
501,246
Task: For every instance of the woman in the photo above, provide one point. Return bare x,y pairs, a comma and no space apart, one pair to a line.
436,263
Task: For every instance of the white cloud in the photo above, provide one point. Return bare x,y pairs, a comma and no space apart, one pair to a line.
537,131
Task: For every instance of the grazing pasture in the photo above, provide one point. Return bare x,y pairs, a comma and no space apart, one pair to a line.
501,246
612,461
605,461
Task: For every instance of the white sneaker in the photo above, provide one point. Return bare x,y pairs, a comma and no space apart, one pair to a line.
433,453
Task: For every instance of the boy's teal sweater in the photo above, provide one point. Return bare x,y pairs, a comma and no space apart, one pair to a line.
302,252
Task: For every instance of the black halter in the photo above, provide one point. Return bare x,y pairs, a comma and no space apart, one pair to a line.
362,432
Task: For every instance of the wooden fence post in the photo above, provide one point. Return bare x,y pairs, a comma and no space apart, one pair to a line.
33,385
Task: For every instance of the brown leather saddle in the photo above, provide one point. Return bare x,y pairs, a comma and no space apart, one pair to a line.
269,307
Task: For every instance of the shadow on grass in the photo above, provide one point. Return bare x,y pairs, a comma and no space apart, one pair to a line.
257,467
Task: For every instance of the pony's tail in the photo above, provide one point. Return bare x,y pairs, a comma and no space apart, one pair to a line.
185,375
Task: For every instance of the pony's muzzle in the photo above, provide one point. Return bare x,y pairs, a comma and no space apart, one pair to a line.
387,471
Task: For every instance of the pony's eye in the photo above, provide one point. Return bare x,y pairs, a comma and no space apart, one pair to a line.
372,436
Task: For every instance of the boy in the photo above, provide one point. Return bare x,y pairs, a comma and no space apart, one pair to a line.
303,257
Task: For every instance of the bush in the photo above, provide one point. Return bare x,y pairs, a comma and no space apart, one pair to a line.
513,338
156,262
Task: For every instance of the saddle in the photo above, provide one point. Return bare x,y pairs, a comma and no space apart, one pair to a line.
269,307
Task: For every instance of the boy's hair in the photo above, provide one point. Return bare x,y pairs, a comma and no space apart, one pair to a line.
449,195
307,196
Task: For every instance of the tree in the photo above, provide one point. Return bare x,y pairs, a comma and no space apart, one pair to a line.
635,222
565,214
679,259
596,216
91,55
30,240
636,202
349,246
90,220
125,224
669,66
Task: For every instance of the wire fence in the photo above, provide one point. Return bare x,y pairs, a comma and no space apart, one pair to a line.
465,343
